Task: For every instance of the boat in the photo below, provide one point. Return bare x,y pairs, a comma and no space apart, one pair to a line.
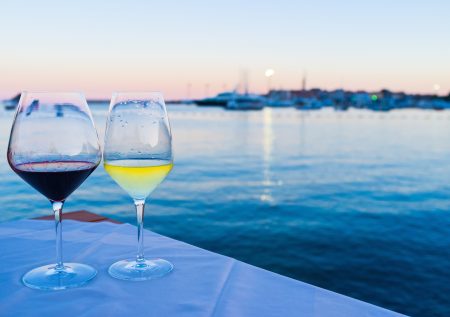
308,104
221,100
11,104
246,102
280,103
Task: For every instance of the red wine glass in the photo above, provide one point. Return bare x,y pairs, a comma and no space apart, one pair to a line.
54,147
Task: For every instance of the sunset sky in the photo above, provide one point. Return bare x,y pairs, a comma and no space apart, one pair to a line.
103,46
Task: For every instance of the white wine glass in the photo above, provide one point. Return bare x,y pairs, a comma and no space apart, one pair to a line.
54,147
138,157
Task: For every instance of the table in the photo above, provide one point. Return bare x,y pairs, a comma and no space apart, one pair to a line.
202,284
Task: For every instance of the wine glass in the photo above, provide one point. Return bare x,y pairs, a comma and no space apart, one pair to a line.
138,156
54,147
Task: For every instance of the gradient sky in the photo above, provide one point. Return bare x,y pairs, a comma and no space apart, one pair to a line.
102,46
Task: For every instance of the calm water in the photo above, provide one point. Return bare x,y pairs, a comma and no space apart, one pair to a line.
356,202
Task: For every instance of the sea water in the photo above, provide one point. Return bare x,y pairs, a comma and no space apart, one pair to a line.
356,202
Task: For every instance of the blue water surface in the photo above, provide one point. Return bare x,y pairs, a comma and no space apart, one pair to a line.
356,202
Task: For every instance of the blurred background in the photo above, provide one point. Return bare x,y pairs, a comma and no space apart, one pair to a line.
310,138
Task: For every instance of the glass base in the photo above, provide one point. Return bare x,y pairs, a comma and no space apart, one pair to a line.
48,278
132,270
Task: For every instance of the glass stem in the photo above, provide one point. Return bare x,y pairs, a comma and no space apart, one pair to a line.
140,204
57,209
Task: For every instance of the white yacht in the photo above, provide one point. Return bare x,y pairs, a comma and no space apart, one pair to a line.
246,102
221,100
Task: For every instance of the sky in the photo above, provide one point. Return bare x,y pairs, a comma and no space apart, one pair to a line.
189,49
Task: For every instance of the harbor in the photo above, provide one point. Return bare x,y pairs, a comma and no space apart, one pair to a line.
313,99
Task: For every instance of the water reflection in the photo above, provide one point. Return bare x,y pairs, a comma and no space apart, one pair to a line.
267,142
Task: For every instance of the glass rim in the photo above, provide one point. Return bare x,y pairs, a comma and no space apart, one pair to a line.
38,95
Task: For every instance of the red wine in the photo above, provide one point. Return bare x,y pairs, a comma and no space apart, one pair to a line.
55,180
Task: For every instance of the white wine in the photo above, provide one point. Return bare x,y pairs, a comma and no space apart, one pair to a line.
138,177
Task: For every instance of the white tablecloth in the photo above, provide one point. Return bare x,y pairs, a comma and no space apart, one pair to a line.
202,284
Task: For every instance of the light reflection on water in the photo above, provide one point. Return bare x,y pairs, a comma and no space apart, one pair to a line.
356,202
268,140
